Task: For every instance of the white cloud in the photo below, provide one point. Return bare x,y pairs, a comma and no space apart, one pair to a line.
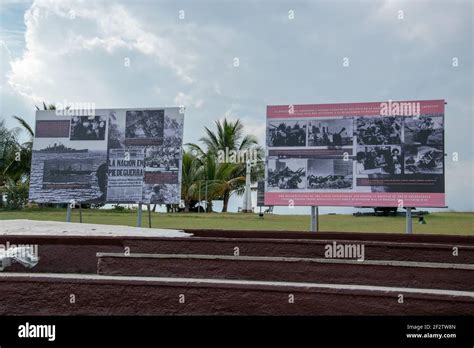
117,55
11,102
412,22
199,104
217,88
183,99
57,43
459,184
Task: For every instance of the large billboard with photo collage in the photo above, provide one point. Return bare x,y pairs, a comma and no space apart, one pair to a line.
357,154
110,155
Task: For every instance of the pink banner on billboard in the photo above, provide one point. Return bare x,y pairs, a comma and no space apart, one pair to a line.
351,109
388,153
359,199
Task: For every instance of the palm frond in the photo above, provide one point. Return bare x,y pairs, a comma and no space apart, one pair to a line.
25,125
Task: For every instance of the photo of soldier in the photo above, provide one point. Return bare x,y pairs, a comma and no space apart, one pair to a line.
286,133
162,159
173,131
424,130
424,160
88,128
144,124
161,193
116,134
330,132
286,174
379,130
329,174
379,160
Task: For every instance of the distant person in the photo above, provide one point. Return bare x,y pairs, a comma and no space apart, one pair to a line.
337,137
102,130
360,165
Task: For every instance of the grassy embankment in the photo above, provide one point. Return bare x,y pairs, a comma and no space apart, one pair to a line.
437,223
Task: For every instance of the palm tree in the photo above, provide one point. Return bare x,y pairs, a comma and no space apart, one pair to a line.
19,163
8,138
15,161
224,179
215,179
191,176
8,141
49,107
18,158
229,136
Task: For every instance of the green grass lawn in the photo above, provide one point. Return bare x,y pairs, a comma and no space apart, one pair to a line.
437,223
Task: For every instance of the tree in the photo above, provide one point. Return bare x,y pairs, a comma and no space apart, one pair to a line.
191,174
222,178
228,135
8,142
49,107
18,157
15,161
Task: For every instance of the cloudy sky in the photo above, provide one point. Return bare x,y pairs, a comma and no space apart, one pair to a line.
167,53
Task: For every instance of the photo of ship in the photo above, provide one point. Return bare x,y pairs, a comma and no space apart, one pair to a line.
60,148
67,171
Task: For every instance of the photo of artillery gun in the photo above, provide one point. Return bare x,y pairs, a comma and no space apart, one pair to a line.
286,179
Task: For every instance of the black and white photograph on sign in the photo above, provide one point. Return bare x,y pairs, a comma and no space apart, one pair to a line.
329,174
58,177
379,160
173,132
288,174
161,193
144,124
116,133
337,132
375,130
162,159
72,167
88,127
58,146
423,160
72,171
286,133
125,175
424,130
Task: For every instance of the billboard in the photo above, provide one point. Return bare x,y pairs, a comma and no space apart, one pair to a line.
112,155
357,154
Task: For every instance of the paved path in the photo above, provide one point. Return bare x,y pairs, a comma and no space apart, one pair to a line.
52,228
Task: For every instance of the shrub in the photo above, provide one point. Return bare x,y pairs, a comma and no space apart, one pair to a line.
17,194
118,207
